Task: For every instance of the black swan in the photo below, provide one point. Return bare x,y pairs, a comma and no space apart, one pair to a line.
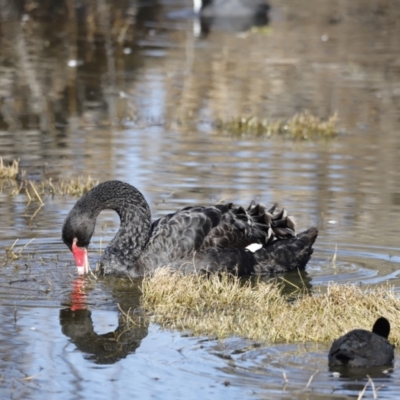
230,8
361,348
229,15
194,239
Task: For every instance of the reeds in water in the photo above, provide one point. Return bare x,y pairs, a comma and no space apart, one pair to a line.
302,126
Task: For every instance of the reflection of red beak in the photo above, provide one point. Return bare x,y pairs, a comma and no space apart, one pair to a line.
78,295
81,258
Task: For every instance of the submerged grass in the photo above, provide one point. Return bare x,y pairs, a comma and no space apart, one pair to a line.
226,306
302,126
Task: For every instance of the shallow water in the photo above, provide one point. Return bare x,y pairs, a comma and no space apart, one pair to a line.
143,112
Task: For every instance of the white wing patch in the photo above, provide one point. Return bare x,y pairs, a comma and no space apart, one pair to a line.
254,247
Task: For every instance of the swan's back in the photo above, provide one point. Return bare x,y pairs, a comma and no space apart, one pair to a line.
215,238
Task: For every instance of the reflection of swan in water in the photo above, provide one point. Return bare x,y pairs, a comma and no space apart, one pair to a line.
109,347
229,15
295,281
76,323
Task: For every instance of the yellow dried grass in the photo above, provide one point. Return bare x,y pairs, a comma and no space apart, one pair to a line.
34,190
72,186
9,171
302,126
226,306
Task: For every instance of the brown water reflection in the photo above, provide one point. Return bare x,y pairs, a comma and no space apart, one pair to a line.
126,90
72,70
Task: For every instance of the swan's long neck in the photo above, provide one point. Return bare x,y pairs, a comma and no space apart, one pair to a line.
134,230
135,217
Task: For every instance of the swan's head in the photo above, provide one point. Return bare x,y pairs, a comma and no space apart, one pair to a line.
76,234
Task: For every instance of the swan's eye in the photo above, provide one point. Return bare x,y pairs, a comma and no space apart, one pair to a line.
67,239
81,242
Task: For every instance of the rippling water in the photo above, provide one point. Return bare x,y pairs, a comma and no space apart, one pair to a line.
141,110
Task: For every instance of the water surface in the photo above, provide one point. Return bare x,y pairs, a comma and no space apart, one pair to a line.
138,103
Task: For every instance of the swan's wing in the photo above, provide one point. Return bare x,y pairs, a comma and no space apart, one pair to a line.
222,226
177,235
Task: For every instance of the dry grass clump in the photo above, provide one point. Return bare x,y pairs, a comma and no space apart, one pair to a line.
9,171
226,306
72,186
30,190
14,254
302,126
34,190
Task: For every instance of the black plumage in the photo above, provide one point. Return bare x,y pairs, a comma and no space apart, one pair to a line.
231,8
193,239
362,348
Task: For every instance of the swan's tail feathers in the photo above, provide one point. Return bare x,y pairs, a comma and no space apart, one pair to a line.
286,255
277,257
279,224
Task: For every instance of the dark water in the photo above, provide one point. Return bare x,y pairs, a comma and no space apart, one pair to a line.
132,95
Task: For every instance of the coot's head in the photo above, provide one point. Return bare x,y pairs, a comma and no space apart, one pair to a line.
381,327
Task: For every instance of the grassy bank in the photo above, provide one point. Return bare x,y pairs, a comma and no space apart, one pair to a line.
226,306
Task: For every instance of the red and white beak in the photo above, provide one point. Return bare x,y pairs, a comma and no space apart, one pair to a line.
81,258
